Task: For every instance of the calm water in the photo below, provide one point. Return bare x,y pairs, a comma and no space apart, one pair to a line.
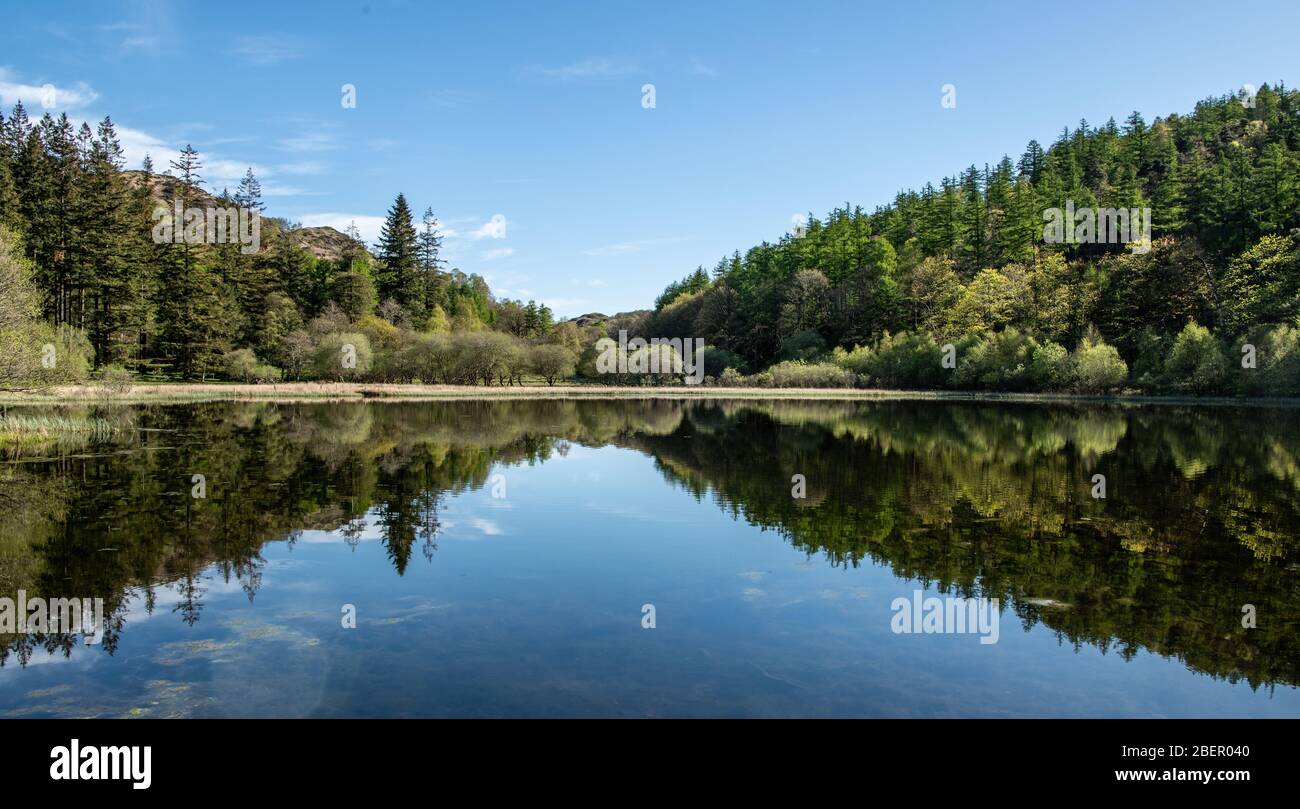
498,557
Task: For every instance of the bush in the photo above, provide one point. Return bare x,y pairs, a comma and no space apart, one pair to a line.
342,356
858,360
997,361
243,366
1050,366
116,380
1279,361
796,374
906,361
731,378
1196,363
1097,367
551,362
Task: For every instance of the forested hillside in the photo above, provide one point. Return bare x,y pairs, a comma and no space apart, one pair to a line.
953,286
965,263
85,272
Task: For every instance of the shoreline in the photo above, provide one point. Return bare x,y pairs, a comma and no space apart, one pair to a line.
185,393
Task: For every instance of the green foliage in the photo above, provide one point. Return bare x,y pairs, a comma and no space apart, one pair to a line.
967,255
903,360
804,346
798,374
342,356
999,361
1097,367
1196,363
355,294
242,365
552,362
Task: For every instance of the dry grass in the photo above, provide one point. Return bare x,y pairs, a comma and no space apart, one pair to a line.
324,391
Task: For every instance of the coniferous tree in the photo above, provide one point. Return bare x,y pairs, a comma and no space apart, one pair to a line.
398,253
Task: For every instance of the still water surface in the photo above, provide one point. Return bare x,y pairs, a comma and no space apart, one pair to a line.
499,555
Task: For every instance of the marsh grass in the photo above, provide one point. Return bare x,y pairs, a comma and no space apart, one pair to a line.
20,431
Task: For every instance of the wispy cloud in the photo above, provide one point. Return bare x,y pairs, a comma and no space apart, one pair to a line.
132,37
586,69
698,68
304,167
267,50
452,98
498,252
310,142
627,247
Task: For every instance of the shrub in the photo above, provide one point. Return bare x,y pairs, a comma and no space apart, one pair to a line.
858,360
1050,366
116,380
997,361
731,378
551,362
1277,362
342,356
1097,367
906,361
243,366
1196,363
796,374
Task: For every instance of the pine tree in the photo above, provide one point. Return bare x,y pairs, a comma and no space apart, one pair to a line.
398,251
430,244
249,194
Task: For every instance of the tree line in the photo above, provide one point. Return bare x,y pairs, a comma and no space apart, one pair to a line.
82,271
966,263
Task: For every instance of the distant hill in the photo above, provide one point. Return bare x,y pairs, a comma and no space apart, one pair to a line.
322,242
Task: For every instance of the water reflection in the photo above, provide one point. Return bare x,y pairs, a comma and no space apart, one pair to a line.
972,499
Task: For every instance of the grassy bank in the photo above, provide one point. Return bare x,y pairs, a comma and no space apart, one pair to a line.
325,391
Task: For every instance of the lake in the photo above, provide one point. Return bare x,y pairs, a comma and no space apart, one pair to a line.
653,557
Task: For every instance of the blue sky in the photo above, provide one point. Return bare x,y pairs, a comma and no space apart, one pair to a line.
522,124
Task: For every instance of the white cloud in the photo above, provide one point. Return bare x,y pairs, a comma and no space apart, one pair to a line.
368,225
217,172
499,252
136,144
566,307
49,96
267,50
494,228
